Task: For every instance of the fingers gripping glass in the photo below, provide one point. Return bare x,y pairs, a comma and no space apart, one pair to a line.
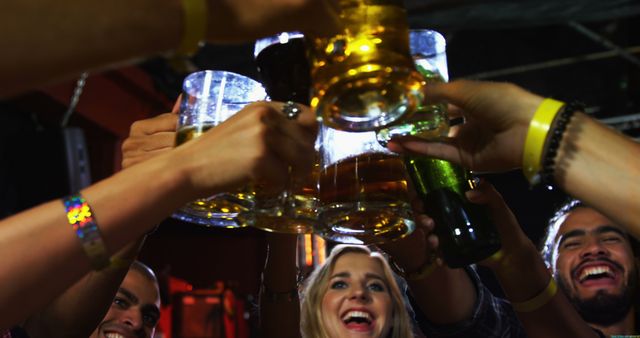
208,99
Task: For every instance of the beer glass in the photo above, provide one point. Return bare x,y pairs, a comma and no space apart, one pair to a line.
466,234
363,189
364,78
284,72
429,121
208,99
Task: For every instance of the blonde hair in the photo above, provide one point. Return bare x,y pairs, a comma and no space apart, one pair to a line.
317,285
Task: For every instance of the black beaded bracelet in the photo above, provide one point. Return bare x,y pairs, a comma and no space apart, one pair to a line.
555,137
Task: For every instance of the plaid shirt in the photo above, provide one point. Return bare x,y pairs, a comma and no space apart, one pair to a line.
492,317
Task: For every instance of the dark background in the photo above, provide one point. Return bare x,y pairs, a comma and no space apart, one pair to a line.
585,50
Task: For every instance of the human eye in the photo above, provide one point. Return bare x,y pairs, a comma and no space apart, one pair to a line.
120,302
612,239
150,319
571,244
339,284
376,286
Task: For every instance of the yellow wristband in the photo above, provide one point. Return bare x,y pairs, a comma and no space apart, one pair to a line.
538,301
536,136
195,26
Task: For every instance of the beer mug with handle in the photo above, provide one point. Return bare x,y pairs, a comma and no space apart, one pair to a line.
208,99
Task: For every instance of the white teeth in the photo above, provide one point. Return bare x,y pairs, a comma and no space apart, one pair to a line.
114,335
596,270
356,314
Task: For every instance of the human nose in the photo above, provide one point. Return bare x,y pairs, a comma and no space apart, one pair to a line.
359,293
593,248
132,318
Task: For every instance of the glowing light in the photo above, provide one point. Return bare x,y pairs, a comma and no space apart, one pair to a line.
321,249
308,250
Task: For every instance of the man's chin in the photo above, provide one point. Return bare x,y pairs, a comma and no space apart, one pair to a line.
604,308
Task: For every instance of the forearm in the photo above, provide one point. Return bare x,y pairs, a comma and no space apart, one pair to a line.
79,310
279,308
602,168
40,255
80,35
523,276
446,296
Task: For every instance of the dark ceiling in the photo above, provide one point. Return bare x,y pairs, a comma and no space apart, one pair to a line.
587,49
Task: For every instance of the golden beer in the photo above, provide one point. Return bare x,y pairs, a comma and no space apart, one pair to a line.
429,121
365,199
292,211
230,210
364,78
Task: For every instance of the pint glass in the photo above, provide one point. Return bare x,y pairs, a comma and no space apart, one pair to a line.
208,99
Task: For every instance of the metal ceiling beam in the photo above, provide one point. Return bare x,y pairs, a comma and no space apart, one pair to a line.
550,64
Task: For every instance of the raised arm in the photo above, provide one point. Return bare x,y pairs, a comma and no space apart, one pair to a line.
594,163
279,302
79,310
40,255
543,310
52,40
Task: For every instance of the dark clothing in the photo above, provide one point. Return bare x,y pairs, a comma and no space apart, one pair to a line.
492,317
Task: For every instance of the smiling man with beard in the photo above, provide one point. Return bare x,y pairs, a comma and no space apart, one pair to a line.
594,263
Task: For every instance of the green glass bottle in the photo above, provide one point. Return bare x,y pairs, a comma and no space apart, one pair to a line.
465,233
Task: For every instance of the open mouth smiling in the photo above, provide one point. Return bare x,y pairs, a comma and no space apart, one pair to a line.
597,273
358,320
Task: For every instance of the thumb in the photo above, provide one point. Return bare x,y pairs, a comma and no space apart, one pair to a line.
176,105
497,210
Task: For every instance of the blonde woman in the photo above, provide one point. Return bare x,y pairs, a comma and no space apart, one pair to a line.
354,294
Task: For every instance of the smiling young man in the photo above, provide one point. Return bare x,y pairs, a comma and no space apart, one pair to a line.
135,309
593,261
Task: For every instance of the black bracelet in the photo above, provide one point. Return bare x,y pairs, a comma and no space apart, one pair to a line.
555,137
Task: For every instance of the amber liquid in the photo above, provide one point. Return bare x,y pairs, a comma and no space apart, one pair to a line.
284,72
429,121
364,199
229,210
365,78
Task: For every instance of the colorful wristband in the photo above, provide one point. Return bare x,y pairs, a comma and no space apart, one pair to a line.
538,301
80,217
536,136
195,26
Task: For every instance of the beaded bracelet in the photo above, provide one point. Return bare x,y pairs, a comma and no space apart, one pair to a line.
539,300
195,26
80,217
553,142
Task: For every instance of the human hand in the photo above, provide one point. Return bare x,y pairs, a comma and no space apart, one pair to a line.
241,20
516,246
497,117
256,145
150,137
417,249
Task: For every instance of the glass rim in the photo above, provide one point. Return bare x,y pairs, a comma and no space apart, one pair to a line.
280,38
438,41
